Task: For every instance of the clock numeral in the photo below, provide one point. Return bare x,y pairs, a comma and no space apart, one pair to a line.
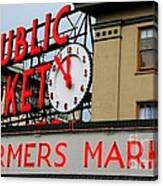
54,68
69,50
85,73
75,100
65,106
57,104
82,88
77,51
50,82
51,95
84,59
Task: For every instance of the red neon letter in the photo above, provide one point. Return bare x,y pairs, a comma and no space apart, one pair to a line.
10,95
114,155
26,107
47,32
152,156
43,154
6,58
21,44
17,154
60,40
42,71
97,151
2,154
61,154
35,50
27,154
135,156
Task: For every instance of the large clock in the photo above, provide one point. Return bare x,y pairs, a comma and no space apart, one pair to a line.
69,78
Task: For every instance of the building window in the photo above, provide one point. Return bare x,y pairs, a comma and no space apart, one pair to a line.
148,48
147,110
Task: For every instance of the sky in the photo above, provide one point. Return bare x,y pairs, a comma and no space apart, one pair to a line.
12,16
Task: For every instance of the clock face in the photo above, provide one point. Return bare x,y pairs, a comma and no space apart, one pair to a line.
69,78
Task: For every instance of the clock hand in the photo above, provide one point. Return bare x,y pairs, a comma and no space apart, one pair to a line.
66,76
58,62
69,79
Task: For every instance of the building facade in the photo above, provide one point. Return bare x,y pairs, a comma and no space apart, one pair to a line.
125,60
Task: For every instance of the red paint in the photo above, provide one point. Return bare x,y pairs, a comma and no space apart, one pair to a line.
68,78
56,122
5,59
26,93
152,154
134,152
66,74
11,84
60,40
21,45
60,155
14,154
19,53
32,154
29,149
2,155
35,50
89,152
10,99
41,70
135,146
41,123
114,156
44,153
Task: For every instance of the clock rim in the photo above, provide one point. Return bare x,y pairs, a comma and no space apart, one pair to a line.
87,88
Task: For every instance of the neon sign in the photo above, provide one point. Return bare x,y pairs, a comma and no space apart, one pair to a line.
21,44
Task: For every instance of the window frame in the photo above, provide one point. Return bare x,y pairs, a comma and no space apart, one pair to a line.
138,104
145,69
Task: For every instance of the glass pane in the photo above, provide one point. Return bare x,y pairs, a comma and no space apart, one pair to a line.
150,33
148,111
143,34
86,115
148,58
153,113
150,43
142,113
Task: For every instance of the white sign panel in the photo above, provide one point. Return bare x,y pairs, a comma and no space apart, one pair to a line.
91,153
